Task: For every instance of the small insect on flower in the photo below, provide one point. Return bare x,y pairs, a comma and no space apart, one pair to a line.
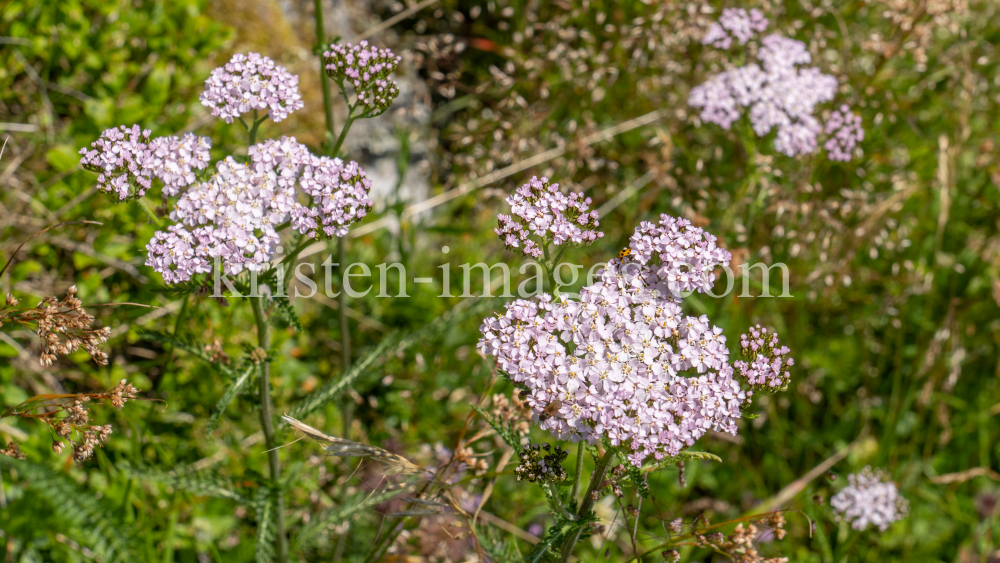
625,255
550,410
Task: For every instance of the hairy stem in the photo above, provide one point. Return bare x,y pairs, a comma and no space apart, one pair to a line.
580,451
267,424
588,499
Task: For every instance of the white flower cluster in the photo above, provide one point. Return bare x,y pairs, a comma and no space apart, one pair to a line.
252,82
623,362
235,215
127,160
682,257
869,500
539,208
735,23
778,92
174,159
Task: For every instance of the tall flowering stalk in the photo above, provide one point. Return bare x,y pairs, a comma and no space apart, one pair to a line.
623,369
232,215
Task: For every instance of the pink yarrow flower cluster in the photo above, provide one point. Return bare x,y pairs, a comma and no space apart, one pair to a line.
624,363
235,215
846,131
367,70
539,208
681,257
869,499
778,92
735,23
252,82
127,161
765,366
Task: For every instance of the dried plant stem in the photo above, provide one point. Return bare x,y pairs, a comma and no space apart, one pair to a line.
588,498
267,424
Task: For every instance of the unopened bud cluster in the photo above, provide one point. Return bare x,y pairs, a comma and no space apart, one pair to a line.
541,464
367,70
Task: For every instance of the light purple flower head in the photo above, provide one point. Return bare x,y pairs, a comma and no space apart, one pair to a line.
120,158
681,257
778,92
869,499
846,131
765,367
624,363
251,82
235,215
174,159
735,23
539,208
367,70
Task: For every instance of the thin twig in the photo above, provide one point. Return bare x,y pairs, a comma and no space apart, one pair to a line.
4,269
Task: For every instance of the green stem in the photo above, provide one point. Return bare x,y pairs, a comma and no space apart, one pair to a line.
588,499
345,337
323,80
144,205
343,132
579,473
267,424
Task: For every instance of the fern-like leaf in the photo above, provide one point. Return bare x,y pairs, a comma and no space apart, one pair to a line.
506,431
98,525
333,389
197,483
635,476
192,347
391,344
682,456
337,516
287,312
266,506
231,392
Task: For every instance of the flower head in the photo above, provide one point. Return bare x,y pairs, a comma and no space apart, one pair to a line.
367,70
120,158
681,257
251,82
235,215
869,499
539,208
735,23
777,91
765,366
624,363
846,131
174,159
